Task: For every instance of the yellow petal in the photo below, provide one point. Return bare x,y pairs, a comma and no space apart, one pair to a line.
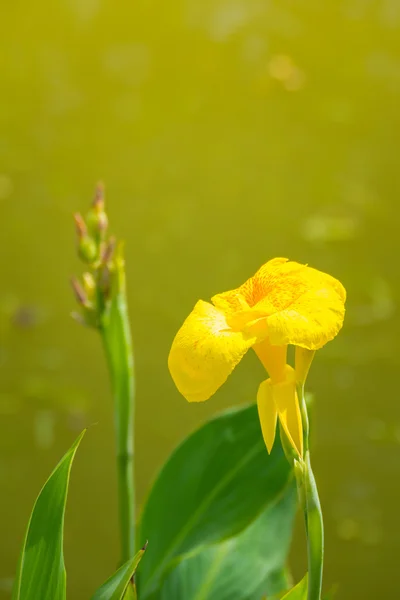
287,404
267,413
273,359
274,286
204,352
303,306
230,302
311,321
288,303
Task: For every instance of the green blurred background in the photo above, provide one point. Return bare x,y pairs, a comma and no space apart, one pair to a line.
227,132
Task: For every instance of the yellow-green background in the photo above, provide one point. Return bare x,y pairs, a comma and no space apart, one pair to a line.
227,132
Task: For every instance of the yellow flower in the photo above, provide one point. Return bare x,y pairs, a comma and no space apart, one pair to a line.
283,303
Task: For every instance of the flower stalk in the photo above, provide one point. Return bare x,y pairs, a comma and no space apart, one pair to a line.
116,336
315,532
102,298
311,506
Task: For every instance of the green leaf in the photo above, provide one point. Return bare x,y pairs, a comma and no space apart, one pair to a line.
116,586
130,593
41,570
299,591
245,567
211,488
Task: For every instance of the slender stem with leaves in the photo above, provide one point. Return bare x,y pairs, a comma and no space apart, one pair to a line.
102,297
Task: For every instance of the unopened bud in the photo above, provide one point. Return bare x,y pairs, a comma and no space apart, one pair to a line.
89,285
85,296
108,251
79,292
80,224
97,220
105,282
87,249
98,201
78,318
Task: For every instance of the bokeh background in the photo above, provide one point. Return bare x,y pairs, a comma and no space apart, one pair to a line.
227,132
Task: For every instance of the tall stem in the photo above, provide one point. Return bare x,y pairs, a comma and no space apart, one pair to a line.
116,336
315,533
312,512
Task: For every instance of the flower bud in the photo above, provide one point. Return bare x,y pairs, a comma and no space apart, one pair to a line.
97,222
107,251
89,285
84,296
105,282
79,292
87,247
96,219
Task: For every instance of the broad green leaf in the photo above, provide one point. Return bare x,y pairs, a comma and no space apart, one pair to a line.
299,591
245,567
115,587
41,570
211,488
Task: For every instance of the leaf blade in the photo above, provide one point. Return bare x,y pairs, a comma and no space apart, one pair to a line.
41,569
222,479
299,591
115,587
242,568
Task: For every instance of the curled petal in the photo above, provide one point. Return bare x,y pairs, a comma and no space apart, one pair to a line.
288,303
230,302
275,285
204,352
267,413
311,321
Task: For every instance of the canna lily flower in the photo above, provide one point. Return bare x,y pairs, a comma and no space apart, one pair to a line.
283,303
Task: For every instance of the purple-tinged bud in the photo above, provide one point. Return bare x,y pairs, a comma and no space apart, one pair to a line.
98,201
79,292
97,220
80,224
78,318
87,247
105,282
85,296
107,251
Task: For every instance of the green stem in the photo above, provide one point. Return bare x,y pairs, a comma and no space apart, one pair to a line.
312,513
315,532
116,337
309,499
